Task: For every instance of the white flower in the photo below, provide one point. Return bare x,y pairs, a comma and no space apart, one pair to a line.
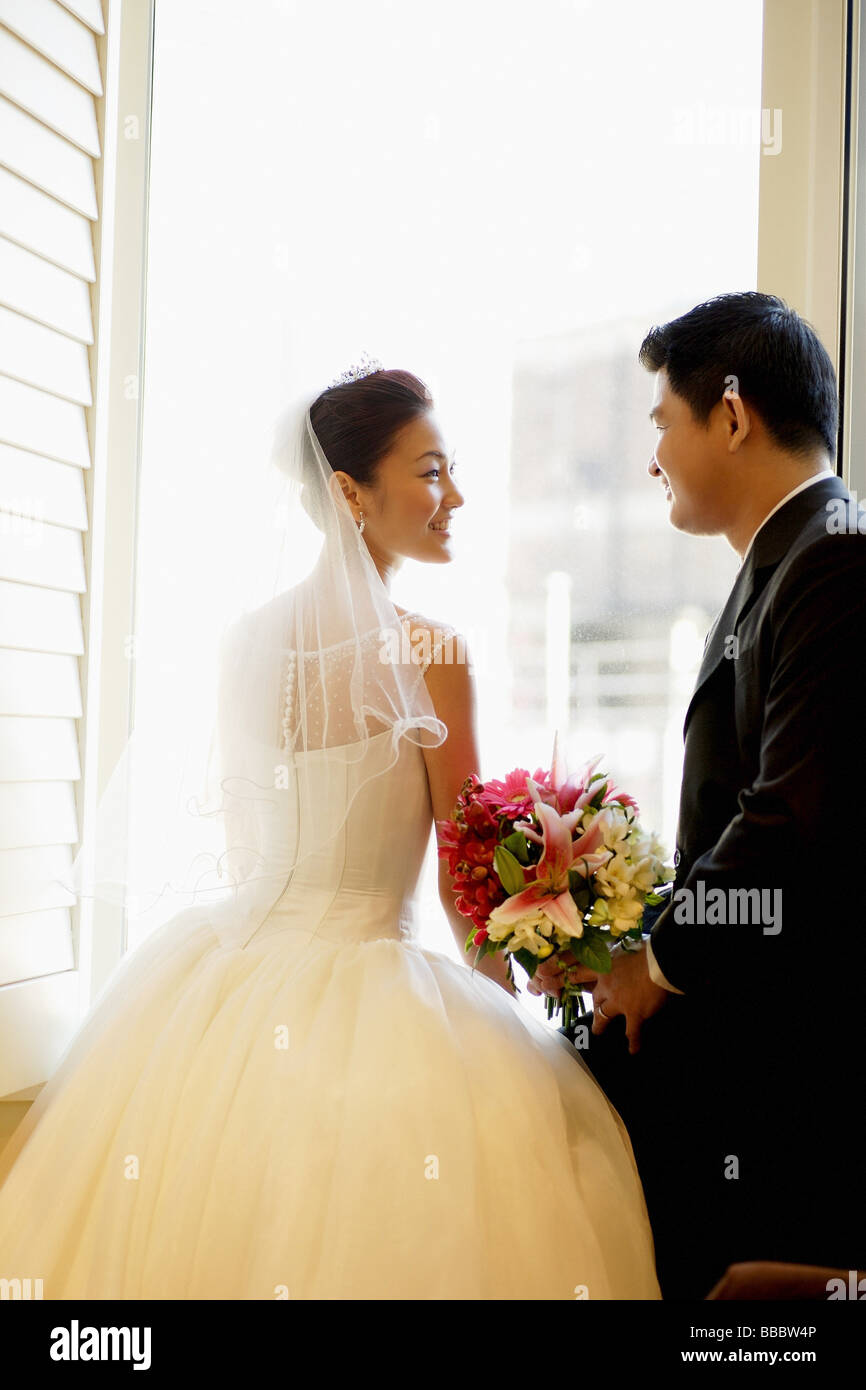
525,935
617,828
615,877
624,914
531,933
642,873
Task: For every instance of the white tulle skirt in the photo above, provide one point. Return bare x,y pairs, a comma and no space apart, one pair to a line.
311,1121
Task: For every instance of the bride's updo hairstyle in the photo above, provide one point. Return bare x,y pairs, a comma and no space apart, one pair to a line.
356,424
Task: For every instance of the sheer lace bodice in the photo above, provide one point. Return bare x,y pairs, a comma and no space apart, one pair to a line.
328,719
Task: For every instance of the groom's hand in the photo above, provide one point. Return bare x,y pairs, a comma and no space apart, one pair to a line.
629,990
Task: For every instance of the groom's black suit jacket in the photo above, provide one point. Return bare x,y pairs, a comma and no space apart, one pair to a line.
745,1101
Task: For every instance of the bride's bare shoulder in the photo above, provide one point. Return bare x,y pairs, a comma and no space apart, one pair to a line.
420,622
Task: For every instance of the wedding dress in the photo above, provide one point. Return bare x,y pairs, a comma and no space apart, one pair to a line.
331,1112
280,1093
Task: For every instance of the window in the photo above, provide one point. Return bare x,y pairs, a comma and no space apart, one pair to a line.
505,209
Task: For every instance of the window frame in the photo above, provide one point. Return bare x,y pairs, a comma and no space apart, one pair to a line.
812,56
116,446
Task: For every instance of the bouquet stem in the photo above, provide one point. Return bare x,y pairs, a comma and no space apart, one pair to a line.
565,1004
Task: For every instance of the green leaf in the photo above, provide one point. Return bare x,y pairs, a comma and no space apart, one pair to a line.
480,954
578,889
591,950
509,870
518,845
527,960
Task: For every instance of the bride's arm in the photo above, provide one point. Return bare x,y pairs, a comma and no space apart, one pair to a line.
491,966
451,684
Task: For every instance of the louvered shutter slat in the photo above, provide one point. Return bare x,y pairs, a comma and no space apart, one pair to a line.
88,11
33,286
40,620
37,813
39,683
50,95
39,222
38,749
31,880
34,944
45,159
34,419
41,488
41,357
34,552
57,35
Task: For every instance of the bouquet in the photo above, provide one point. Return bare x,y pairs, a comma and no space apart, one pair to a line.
551,863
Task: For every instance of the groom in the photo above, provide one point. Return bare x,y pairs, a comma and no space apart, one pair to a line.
733,1043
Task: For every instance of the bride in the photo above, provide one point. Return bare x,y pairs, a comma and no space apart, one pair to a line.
279,1093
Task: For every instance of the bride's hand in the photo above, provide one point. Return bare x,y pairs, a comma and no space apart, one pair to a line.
550,973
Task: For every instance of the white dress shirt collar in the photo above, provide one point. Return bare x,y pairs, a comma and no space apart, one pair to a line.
815,478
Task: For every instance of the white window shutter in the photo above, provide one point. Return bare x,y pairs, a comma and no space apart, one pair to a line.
51,117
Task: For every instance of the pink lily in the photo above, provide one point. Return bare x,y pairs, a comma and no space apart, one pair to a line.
549,892
577,792
613,794
563,792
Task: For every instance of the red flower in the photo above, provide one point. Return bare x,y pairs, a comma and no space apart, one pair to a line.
479,818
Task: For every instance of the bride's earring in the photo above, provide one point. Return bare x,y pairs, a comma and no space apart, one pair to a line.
362,522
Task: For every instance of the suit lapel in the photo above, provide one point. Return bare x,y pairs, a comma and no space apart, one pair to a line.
772,542
741,598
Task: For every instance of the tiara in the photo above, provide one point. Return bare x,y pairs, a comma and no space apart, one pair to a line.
366,367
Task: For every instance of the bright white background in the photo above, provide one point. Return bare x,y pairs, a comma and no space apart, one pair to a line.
440,186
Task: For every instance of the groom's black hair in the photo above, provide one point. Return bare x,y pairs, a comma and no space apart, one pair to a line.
782,368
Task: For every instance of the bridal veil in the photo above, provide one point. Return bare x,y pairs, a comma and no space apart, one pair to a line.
304,681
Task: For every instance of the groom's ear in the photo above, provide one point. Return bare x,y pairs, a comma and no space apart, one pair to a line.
737,419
